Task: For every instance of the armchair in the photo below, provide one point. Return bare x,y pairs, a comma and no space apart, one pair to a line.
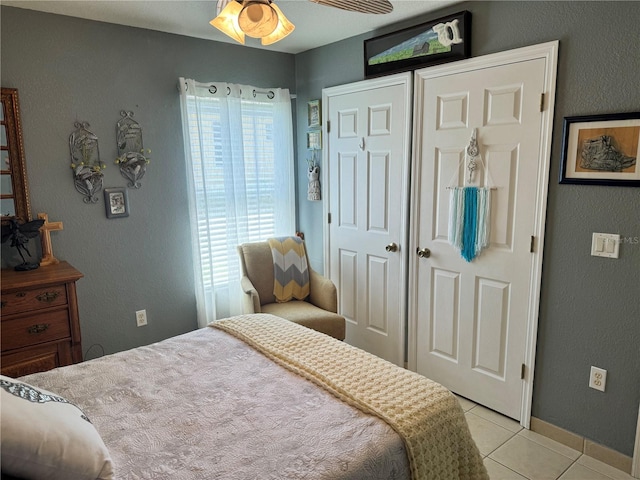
317,312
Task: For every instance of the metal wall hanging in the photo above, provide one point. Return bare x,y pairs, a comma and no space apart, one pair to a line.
131,159
85,162
313,174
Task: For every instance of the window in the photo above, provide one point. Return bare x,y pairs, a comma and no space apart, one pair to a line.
240,164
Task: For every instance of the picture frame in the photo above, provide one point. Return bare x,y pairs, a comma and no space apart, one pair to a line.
445,39
314,117
116,202
314,140
601,150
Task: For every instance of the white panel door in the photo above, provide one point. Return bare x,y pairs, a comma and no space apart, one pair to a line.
367,164
470,321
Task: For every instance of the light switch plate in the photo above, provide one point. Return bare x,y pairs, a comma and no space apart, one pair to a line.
605,245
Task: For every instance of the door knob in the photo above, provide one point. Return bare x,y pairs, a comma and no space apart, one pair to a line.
423,252
392,247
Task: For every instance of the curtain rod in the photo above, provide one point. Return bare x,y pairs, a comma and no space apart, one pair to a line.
213,89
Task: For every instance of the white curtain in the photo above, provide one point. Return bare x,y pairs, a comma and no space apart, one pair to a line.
238,143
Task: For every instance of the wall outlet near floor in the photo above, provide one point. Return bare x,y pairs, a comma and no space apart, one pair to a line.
598,378
141,318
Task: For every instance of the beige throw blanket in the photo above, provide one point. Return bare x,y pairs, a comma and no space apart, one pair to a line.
425,414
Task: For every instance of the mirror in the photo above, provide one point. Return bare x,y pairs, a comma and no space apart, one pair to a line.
14,191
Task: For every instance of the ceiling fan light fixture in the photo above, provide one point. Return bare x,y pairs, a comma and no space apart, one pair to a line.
284,28
227,21
255,18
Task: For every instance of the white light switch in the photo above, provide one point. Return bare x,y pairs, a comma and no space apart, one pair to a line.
605,245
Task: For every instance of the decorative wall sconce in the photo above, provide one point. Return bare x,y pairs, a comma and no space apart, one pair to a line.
85,162
131,159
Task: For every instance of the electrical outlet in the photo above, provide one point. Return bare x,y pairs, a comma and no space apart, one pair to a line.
598,378
141,318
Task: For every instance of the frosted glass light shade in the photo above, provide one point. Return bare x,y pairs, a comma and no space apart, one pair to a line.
284,28
227,21
257,19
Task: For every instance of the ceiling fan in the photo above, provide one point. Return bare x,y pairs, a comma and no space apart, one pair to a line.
361,6
263,19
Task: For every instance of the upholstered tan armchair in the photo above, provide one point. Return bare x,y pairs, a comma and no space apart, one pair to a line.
317,312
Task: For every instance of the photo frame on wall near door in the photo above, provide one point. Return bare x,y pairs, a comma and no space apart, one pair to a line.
601,150
314,140
314,117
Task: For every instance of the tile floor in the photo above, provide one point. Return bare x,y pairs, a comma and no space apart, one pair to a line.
513,453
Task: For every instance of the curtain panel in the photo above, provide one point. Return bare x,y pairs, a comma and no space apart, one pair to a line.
238,142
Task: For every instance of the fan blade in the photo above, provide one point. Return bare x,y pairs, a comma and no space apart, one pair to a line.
361,6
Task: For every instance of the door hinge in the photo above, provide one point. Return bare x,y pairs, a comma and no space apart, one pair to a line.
522,372
328,126
533,239
329,217
542,102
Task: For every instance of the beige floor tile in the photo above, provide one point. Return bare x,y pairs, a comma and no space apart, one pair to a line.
494,417
487,435
550,444
603,468
531,459
500,472
580,472
465,404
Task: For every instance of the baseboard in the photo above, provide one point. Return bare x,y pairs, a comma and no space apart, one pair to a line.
581,444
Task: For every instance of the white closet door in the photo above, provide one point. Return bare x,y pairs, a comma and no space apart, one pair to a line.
367,192
472,323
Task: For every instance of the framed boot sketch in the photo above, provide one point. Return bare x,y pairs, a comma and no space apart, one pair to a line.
601,150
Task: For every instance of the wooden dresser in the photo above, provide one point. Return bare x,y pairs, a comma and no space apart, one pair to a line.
40,323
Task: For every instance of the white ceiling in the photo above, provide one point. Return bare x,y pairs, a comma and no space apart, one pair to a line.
316,25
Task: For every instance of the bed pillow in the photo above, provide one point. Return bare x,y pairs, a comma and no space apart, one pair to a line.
44,436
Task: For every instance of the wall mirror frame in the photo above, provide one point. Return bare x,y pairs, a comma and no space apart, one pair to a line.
14,195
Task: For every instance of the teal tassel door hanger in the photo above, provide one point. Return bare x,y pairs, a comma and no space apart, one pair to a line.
470,209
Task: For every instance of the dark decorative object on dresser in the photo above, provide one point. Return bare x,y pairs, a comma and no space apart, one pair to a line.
20,235
40,327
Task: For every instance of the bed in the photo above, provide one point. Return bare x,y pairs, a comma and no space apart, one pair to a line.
250,397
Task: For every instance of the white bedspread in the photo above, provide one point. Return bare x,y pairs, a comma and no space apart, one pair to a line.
205,405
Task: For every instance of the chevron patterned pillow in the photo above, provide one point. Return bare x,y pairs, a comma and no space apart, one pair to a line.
290,269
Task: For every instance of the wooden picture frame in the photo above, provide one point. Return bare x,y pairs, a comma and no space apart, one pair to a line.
116,202
445,39
601,150
314,117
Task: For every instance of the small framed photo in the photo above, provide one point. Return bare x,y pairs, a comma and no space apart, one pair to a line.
116,202
314,114
601,150
314,140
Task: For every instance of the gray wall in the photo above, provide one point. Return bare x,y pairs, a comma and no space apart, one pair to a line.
68,69
590,307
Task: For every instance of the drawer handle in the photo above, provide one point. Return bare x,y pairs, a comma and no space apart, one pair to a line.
41,327
21,294
47,296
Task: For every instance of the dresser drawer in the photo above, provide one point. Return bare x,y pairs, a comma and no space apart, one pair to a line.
35,329
36,359
34,299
